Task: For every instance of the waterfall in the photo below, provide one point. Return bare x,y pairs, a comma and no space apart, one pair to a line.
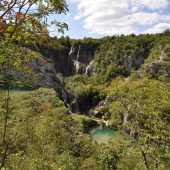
64,96
71,50
74,106
78,53
77,66
69,59
87,72
78,63
74,59
65,99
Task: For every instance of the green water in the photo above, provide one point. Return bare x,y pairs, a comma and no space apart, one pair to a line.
103,135
18,91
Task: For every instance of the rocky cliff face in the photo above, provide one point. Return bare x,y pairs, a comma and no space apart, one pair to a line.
56,65
80,60
77,59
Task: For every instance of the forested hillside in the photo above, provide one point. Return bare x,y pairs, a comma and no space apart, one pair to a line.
62,89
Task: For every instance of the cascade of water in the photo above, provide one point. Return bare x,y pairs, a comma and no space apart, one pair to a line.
65,99
77,66
75,60
74,106
64,96
71,50
88,68
78,53
69,59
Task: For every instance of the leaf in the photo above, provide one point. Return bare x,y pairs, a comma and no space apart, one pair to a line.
18,15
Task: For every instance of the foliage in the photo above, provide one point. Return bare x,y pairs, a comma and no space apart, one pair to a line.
129,89
158,62
82,85
85,123
146,103
124,53
29,16
21,70
41,135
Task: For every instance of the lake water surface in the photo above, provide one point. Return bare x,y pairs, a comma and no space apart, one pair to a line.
102,135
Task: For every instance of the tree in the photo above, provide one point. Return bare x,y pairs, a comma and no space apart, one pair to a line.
29,15
109,158
21,21
145,106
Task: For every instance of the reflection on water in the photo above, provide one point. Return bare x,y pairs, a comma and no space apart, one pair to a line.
102,135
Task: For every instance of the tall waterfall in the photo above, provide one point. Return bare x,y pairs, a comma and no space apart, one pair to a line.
72,106
64,95
79,61
78,53
87,72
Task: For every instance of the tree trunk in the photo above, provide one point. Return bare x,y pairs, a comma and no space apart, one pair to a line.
145,159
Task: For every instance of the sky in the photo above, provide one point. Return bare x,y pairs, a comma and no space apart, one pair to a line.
99,18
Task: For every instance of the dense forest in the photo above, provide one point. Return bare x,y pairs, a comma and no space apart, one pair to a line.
80,104
125,90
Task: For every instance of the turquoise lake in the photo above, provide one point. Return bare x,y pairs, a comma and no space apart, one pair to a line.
102,135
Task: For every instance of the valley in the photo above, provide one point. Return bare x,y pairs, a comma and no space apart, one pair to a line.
92,102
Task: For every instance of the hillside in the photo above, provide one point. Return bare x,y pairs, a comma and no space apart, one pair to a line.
66,88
